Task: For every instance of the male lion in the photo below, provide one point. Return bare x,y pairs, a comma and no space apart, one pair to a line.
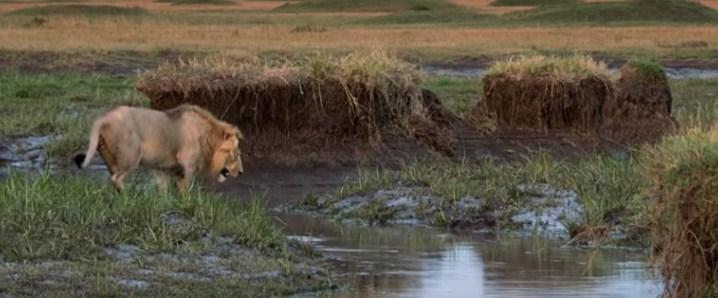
183,141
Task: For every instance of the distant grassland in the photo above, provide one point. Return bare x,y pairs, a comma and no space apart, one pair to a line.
426,27
64,34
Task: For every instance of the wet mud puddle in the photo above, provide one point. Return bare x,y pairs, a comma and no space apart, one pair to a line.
409,261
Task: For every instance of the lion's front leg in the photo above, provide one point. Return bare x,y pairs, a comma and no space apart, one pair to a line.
161,179
188,162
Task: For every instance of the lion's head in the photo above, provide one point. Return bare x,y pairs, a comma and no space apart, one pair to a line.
227,158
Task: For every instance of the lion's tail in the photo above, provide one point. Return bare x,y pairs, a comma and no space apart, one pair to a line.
83,160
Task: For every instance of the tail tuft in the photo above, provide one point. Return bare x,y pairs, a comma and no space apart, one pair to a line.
79,159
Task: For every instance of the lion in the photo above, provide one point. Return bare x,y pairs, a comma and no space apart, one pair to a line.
183,142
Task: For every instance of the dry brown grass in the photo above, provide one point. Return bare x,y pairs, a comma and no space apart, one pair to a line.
485,6
158,6
112,33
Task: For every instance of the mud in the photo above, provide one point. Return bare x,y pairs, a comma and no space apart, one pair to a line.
24,153
544,210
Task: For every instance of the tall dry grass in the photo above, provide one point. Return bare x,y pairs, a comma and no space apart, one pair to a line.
68,33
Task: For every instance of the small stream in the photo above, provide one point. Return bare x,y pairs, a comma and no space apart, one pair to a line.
672,73
410,261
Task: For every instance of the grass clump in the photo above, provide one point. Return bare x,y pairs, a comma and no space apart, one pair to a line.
308,28
79,9
646,68
76,217
683,171
557,68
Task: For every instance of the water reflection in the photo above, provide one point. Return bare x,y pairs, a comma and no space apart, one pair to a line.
424,262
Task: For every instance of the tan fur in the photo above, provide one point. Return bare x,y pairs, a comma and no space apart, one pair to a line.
184,141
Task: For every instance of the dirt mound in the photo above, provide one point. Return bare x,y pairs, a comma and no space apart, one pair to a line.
539,95
316,109
540,104
641,110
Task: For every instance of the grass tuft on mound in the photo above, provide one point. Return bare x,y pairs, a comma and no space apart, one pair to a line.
557,68
646,68
79,9
683,175
61,217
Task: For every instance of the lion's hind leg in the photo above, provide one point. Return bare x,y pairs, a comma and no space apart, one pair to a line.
126,159
106,153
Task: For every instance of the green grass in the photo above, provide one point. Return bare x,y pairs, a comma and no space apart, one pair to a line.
449,16
605,185
365,6
457,94
74,217
60,105
54,230
79,9
182,2
695,103
641,11
531,2
646,68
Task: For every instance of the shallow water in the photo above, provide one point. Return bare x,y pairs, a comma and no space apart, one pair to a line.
424,262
